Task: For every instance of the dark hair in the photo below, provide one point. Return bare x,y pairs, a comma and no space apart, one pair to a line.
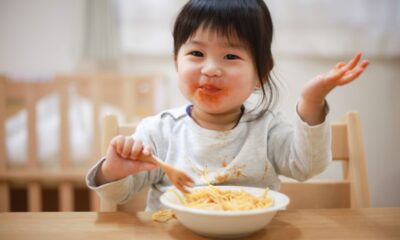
249,20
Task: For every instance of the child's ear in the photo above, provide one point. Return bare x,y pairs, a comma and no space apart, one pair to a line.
258,84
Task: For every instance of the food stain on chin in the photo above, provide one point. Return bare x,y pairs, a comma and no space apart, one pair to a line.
210,99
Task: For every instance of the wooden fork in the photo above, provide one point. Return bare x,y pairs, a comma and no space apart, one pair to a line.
180,179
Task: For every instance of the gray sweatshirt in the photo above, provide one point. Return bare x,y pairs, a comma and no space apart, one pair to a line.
253,153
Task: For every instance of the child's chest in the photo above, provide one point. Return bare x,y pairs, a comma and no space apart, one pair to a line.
221,160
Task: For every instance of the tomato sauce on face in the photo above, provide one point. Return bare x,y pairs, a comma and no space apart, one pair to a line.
208,94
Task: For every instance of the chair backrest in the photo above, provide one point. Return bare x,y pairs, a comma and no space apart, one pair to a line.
15,95
55,180
347,147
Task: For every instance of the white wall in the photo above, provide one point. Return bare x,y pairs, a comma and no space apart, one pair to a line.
43,37
40,38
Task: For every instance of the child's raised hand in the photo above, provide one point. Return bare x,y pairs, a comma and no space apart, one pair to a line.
123,158
314,92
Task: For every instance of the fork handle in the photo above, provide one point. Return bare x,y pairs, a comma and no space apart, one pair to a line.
153,159
158,160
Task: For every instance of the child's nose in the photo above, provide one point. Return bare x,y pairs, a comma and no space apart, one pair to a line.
211,69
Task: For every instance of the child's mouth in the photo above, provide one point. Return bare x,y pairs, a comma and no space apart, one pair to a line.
209,89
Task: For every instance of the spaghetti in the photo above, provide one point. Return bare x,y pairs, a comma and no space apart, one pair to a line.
214,198
163,216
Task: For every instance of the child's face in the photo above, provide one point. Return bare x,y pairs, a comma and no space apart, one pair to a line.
215,74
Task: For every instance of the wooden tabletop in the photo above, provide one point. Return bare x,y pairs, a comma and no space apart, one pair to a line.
373,223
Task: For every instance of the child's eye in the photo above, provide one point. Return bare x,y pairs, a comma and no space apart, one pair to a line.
196,53
231,56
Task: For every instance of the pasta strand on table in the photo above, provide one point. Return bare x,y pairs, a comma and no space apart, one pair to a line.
163,215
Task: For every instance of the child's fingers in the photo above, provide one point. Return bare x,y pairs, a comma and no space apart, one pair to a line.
364,64
339,65
351,76
136,149
127,147
335,74
340,71
118,143
355,73
113,142
353,62
147,150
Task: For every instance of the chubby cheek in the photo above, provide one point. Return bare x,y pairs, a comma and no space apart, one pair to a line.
192,87
187,86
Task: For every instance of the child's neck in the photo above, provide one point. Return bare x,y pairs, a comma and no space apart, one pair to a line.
218,122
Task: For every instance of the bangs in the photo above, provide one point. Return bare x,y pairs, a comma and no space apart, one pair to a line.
232,21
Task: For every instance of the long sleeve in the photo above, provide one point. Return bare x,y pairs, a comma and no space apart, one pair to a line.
121,190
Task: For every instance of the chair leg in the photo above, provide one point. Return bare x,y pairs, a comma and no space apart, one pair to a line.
66,196
94,201
4,197
34,197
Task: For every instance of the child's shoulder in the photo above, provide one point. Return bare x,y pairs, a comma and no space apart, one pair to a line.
257,114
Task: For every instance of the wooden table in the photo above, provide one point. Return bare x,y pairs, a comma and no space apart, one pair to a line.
291,224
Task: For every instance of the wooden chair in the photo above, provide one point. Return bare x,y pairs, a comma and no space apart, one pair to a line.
347,146
27,185
32,176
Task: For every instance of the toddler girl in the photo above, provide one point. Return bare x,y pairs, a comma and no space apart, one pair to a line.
222,54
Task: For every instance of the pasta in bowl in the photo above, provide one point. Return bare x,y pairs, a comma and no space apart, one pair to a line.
225,211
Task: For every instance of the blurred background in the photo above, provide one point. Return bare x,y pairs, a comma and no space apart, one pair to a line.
42,39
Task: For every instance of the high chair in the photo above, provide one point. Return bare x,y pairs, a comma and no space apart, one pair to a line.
347,147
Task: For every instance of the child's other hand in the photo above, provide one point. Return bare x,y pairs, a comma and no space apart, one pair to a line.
312,101
123,159
318,88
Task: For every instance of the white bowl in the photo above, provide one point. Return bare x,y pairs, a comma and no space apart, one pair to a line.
225,224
